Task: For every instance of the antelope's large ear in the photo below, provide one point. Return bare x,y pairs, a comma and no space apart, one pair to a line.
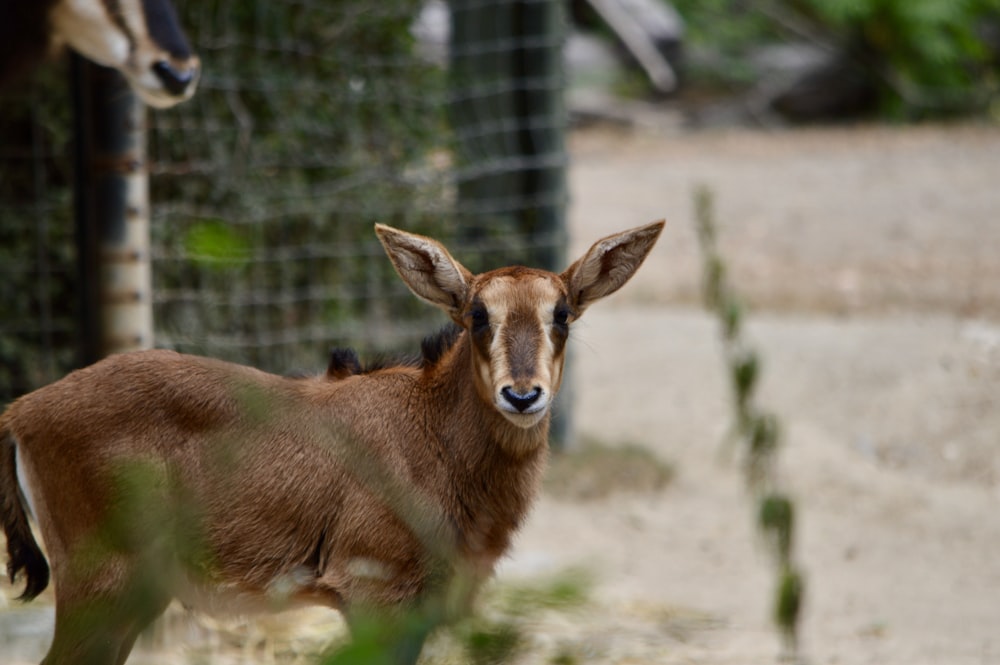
427,268
609,264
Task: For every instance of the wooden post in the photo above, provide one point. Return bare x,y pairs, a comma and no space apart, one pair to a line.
111,207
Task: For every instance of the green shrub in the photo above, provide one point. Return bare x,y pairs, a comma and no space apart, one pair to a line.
922,57
926,56
38,280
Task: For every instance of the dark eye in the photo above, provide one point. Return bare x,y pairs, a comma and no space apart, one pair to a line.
561,316
480,318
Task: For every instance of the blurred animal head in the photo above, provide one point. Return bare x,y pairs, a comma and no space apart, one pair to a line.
142,39
517,318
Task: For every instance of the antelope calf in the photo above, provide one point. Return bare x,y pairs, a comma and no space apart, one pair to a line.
140,38
154,475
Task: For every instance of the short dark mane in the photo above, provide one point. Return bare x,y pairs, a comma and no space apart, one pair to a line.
433,347
344,362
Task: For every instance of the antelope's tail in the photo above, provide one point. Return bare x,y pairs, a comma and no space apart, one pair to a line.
23,553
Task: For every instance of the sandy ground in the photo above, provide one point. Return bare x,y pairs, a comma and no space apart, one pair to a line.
873,259
872,255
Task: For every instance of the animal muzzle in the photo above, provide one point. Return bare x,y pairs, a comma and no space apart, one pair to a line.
526,402
177,80
523,407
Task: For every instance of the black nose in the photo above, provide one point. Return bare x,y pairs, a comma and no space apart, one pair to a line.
520,401
176,82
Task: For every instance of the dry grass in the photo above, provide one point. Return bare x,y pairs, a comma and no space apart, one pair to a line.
595,470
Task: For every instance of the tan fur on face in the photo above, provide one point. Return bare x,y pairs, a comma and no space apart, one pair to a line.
115,34
522,355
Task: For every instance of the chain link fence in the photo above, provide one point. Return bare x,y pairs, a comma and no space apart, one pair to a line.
314,120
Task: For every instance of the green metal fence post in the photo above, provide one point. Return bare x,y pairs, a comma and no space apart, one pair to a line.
507,114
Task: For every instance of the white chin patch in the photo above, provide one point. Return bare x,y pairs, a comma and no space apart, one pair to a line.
154,95
523,419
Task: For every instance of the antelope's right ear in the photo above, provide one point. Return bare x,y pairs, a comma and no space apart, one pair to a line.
427,268
608,264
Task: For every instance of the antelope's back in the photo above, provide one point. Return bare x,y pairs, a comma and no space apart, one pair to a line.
148,397
271,465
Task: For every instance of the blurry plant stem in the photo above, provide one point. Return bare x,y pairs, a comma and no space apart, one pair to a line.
756,432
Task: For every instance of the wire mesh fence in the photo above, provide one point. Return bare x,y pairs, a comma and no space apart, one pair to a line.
313,121
38,282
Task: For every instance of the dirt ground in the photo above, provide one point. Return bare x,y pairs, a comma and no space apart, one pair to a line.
872,257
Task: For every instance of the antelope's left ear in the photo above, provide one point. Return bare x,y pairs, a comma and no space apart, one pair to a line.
427,268
609,264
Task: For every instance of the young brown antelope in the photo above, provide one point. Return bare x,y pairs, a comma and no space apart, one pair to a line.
139,38
154,475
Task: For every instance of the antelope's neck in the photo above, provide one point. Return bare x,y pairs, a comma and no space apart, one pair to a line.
494,467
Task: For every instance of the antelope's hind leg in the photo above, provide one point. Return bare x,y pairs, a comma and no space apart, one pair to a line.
101,628
399,638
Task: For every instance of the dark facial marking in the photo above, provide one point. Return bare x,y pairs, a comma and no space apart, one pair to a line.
560,325
479,317
114,10
478,321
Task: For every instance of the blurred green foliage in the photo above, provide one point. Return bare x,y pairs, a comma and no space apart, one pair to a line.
756,431
723,31
213,242
38,281
922,57
925,56
498,630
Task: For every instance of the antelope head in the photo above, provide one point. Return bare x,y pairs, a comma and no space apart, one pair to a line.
140,38
518,318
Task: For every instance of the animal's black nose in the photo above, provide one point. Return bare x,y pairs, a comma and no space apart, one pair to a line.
520,401
175,81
